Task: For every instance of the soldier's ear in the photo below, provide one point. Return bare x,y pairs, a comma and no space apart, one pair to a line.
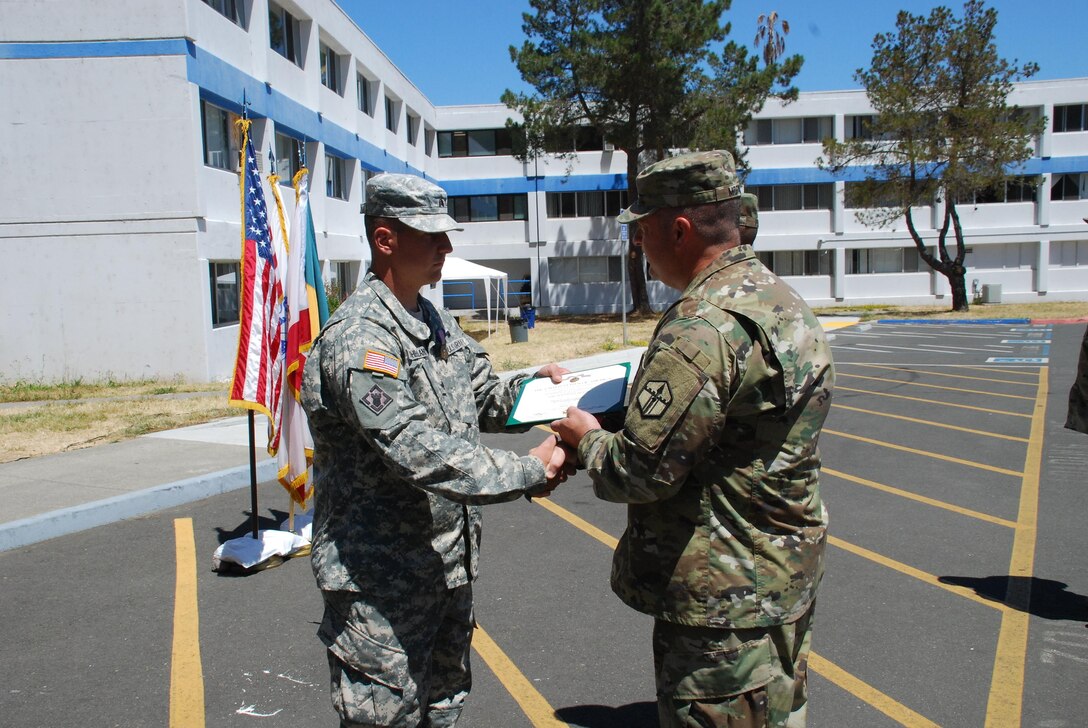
680,229
385,239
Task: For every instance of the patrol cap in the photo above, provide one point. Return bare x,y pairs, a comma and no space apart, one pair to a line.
749,211
695,178
414,201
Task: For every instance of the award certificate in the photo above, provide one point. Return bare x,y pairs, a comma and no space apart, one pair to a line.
594,390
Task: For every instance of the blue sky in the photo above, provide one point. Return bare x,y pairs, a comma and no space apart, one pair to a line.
455,51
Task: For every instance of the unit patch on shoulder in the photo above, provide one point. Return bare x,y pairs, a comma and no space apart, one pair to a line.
654,398
376,400
379,361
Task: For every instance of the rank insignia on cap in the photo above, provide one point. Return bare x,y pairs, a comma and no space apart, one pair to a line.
376,400
376,361
654,398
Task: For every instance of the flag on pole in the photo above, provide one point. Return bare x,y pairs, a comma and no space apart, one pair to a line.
307,310
258,382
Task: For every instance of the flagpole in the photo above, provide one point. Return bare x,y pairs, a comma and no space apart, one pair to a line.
253,475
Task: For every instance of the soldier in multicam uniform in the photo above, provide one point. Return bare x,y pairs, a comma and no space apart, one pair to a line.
717,459
1077,416
396,396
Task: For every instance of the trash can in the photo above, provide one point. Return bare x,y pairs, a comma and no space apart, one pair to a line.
519,332
528,313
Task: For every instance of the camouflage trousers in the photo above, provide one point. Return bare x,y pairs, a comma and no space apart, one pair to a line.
743,678
399,662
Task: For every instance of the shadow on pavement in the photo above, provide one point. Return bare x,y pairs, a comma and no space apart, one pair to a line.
632,715
1049,598
245,528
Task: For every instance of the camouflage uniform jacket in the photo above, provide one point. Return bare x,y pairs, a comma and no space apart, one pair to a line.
399,471
1077,416
718,455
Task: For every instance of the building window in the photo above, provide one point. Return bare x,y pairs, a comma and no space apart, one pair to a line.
284,34
794,197
585,269
344,275
233,10
411,129
330,69
1071,118
488,208
220,143
475,143
391,114
334,177
810,130
593,203
1013,189
362,94
883,260
288,157
576,139
225,294
797,262
859,127
1069,187
365,175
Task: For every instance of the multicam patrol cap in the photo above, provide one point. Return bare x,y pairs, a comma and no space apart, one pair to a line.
695,178
414,201
749,211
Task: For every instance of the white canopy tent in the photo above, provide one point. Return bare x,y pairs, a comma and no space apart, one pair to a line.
459,269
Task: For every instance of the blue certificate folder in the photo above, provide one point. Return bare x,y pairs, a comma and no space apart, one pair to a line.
596,390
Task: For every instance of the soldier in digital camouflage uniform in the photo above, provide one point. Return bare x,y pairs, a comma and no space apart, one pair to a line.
396,396
718,461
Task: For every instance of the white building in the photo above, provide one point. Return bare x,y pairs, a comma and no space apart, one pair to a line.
120,233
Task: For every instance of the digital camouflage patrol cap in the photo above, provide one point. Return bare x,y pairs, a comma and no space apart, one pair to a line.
749,211
695,178
414,201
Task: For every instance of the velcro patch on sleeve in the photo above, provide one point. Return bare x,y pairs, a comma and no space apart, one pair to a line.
379,361
666,390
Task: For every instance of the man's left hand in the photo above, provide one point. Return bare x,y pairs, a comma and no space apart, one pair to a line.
553,371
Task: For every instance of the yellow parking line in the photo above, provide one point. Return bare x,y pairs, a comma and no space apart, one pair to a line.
920,498
532,703
581,525
931,423
861,689
944,374
913,572
839,388
856,687
1007,683
935,386
925,453
186,674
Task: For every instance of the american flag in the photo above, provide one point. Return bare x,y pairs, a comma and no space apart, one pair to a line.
258,380
376,361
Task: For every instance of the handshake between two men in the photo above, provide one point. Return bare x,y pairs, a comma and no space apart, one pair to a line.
559,453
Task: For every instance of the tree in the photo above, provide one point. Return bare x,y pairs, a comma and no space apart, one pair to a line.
773,42
641,73
942,131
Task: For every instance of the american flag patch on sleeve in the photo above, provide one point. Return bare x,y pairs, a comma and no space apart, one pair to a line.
377,361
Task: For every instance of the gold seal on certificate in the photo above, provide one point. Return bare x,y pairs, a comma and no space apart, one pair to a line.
594,390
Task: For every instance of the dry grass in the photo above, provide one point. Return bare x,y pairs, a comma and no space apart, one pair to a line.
560,338
38,430
24,391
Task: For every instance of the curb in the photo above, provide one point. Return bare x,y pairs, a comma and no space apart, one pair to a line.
65,521
965,322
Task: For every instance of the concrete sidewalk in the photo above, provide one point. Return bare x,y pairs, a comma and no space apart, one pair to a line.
54,495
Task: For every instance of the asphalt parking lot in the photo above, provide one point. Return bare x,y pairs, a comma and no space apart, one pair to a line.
954,596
